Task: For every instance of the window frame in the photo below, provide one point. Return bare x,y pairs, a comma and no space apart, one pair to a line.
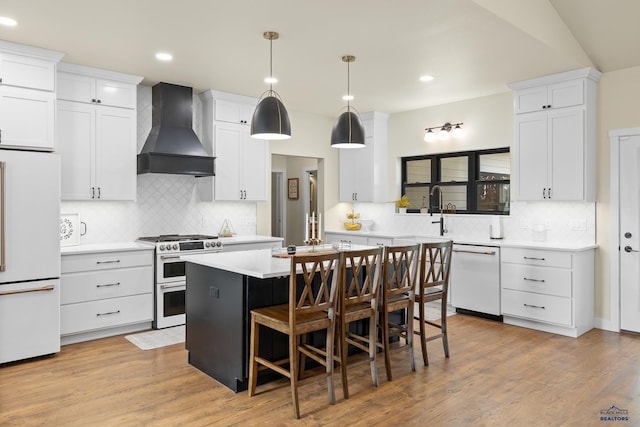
473,172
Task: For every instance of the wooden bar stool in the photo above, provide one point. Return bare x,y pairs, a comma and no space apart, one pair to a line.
435,264
360,279
399,271
313,288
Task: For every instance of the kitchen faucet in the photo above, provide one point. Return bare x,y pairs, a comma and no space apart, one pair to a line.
441,220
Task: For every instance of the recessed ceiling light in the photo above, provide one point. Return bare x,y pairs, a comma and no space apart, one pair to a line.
426,78
163,56
347,98
9,22
270,80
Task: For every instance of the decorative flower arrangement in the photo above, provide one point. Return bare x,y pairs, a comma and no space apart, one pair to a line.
403,202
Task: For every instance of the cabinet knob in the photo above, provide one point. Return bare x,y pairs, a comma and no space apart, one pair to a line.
544,107
93,100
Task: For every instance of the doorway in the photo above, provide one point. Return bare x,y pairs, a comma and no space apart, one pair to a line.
625,228
295,206
278,203
310,195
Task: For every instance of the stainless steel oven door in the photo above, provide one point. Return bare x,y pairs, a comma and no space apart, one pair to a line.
170,304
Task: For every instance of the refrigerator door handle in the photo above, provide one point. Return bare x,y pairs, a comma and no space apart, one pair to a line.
3,267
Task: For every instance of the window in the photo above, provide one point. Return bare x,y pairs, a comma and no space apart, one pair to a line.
469,182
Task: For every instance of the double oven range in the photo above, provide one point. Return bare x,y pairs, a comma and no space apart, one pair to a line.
170,279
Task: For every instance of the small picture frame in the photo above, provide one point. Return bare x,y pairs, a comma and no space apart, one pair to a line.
292,187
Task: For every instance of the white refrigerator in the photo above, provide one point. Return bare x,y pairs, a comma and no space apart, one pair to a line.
29,254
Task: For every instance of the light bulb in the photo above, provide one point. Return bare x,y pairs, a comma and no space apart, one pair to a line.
429,136
457,132
443,135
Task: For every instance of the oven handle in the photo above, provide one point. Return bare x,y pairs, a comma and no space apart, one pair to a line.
182,285
169,256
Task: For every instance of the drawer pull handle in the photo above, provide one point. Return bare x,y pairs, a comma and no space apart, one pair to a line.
533,258
474,252
24,291
534,280
108,262
108,314
106,285
534,306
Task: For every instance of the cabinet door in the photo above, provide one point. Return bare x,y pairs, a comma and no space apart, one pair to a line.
531,155
364,177
27,119
566,132
528,100
73,87
116,94
76,134
232,112
348,174
26,72
227,146
566,94
255,155
115,160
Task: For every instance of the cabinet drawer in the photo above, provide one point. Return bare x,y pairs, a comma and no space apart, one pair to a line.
107,313
545,308
542,280
537,257
105,260
95,285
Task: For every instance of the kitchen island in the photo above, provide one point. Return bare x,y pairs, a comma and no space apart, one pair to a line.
222,289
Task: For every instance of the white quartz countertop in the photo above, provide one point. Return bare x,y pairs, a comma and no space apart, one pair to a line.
259,263
504,243
236,240
105,247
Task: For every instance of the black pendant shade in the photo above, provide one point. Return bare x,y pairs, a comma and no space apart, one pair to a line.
348,131
270,120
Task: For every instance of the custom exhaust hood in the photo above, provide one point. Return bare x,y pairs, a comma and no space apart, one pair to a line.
172,146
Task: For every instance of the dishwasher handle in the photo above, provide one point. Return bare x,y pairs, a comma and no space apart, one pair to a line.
466,251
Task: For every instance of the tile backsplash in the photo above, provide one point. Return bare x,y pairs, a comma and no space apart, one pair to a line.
563,221
166,204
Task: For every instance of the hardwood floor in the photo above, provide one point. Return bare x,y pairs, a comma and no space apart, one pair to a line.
497,375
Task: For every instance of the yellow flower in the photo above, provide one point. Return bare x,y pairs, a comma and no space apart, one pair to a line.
403,202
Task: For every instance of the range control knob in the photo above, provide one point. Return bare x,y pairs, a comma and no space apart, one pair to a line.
162,247
218,244
207,244
175,246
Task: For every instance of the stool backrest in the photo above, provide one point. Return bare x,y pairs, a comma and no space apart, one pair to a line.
361,273
435,264
400,267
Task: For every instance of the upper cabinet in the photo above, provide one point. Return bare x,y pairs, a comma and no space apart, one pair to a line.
27,97
555,142
96,132
242,162
363,171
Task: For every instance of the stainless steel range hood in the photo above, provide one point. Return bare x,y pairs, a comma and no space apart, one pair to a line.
172,146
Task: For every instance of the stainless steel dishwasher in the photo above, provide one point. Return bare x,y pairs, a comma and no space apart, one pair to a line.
475,278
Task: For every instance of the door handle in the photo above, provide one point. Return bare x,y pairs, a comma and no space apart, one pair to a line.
3,266
629,249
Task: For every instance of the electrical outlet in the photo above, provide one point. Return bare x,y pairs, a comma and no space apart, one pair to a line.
525,224
578,224
205,223
547,224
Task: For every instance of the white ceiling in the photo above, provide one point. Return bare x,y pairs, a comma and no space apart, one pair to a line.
472,47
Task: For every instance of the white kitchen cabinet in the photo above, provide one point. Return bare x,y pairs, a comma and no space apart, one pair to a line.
549,96
27,97
548,290
358,239
105,293
555,141
97,142
98,152
242,162
363,171
88,89
27,119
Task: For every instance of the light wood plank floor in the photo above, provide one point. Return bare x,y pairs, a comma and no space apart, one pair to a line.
498,375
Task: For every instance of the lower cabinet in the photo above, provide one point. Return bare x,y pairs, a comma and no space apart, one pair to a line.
356,239
106,293
548,290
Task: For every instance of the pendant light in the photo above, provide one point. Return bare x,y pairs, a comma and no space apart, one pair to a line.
348,131
270,118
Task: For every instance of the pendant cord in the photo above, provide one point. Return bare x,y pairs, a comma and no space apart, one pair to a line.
348,87
271,65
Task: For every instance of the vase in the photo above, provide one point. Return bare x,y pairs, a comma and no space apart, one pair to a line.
402,210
